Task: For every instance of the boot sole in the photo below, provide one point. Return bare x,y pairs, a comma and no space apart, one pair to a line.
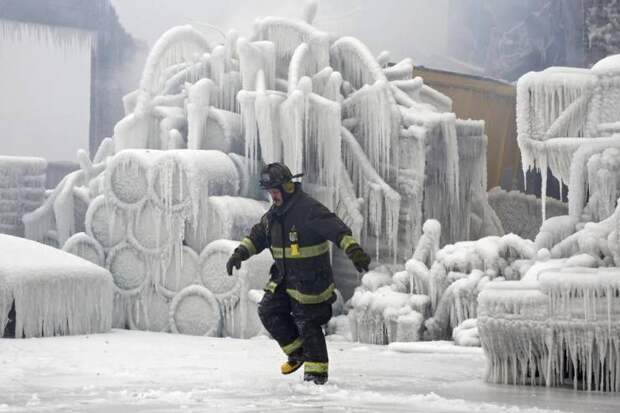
293,370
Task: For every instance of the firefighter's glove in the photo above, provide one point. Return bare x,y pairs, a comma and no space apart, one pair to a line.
240,254
360,259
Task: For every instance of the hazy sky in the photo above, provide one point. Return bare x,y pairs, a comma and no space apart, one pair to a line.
44,109
407,28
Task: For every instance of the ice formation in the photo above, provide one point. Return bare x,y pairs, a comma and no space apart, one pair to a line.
46,292
556,322
560,329
378,146
559,110
22,190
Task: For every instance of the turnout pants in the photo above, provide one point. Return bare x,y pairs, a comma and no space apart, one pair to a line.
297,327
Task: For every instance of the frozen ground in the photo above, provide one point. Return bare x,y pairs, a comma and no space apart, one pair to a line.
136,371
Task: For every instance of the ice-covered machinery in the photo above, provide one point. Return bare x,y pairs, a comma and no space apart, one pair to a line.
376,145
558,323
545,309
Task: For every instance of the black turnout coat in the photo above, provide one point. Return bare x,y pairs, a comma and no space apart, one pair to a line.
297,234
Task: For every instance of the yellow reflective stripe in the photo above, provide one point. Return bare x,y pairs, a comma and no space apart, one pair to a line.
316,367
301,252
271,286
289,348
311,298
346,242
247,243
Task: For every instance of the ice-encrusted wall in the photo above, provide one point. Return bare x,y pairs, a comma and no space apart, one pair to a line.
22,190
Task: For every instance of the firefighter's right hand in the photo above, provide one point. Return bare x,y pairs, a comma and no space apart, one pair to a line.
234,261
360,259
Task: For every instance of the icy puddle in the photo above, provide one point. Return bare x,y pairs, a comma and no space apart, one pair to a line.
134,371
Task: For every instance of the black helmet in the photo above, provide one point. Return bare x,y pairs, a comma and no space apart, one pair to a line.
275,175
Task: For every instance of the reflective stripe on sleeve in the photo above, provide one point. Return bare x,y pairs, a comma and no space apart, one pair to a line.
271,287
300,252
316,367
249,245
346,242
311,298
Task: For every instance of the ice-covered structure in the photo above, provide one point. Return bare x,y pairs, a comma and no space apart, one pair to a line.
544,308
46,292
376,145
557,323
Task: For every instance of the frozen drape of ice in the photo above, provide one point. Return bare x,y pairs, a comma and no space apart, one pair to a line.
555,331
472,150
594,175
381,202
54,294
64,38
198,113
441,186
377,129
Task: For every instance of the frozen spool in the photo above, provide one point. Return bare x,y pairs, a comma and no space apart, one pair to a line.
213,271
150,228
151,312
195,311
127,178
231,291
128,267
84,246
105,222
233,217
180,273
53,292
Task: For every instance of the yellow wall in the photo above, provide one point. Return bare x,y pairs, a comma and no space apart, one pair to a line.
487,99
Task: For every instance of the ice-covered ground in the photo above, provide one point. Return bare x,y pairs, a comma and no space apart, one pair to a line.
136,371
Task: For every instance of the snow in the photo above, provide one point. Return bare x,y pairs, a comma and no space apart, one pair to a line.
53,292
143,371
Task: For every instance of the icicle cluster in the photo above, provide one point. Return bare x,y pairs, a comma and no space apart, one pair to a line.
64,38
559,330
561,109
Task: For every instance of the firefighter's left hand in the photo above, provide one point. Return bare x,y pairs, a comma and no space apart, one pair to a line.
360,259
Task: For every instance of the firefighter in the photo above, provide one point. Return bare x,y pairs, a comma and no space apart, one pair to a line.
300,291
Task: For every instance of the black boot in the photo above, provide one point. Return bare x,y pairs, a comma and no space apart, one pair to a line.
317,378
